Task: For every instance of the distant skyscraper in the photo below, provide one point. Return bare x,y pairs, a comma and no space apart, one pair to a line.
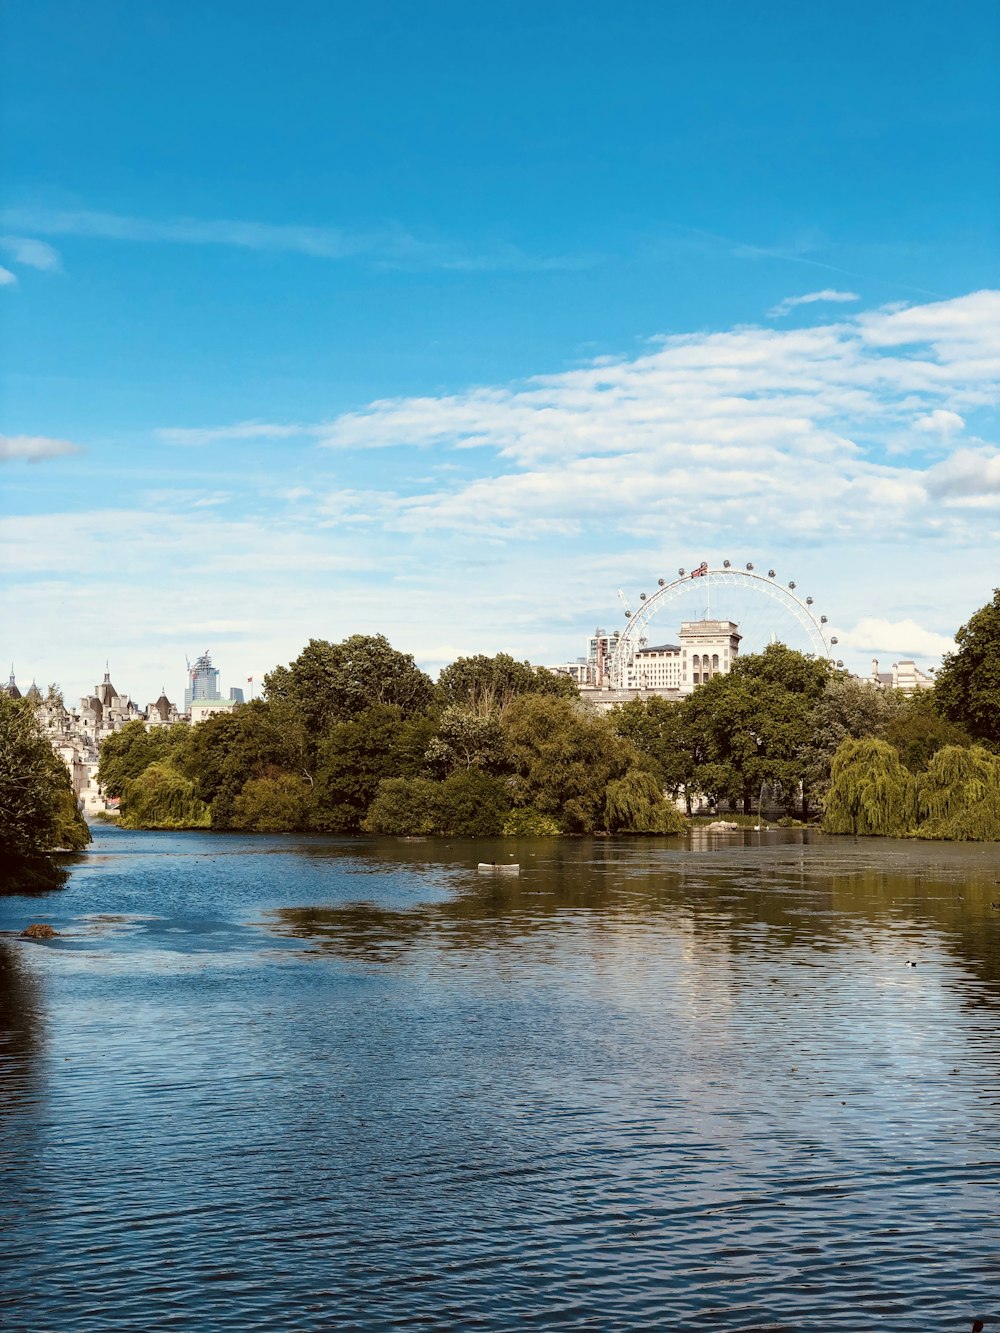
203,681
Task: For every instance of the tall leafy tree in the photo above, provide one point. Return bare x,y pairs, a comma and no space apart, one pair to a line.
659,728
334,682
967,691
355,755
488,685
754,724
848,709
563,757
128,752
38,810
871,792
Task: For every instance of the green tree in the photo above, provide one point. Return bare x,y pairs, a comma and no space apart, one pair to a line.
274,803
871,792
38,810
467,739
356,755
226,750
754,724
967,690
161,797
487,686
563,756
635,804
848,709
918,732
129,752
658,728
468,804
334,682
960,795
523,822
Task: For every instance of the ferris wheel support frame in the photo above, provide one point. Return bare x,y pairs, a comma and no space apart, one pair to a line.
634,637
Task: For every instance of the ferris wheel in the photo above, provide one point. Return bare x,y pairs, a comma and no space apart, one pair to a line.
764,609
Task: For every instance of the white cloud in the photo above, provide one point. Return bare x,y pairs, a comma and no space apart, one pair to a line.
827,294
753,443
939,422
7,279
34,448
241,430
965,474
26,250
903,638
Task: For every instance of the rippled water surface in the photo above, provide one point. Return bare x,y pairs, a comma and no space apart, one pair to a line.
294,1084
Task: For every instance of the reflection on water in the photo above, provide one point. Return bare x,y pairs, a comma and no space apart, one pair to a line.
306,1084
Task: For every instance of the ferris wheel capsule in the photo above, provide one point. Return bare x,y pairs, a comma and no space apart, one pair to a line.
661,582
822,620
725,564
792,583
770,573
749,564
681,572
840,662
642,597
809,601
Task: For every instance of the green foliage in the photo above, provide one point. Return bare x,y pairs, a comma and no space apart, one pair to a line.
356,755
127,753
792,671
334,682
468,804
918,732
563,756
847,709
658,728
161,797
467,739
635,804
960,795
871,792
224,751
38,810
527,823
488,685
967,691
278,803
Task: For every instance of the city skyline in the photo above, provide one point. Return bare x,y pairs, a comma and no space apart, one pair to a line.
447,325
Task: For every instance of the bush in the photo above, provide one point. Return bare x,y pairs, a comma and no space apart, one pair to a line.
275,804
525,822
469,804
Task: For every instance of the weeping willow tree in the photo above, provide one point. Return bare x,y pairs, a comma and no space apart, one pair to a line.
960,795
635,804
871,792
162,798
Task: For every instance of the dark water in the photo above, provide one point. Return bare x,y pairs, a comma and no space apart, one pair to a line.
286,1084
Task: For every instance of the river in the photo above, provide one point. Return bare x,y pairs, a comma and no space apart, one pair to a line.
727,1081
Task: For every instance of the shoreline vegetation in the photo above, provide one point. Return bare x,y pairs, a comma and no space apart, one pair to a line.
39,817
353,738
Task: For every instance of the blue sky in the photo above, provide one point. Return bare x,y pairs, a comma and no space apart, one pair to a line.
447,320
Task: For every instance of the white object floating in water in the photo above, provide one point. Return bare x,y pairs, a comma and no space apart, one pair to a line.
501,868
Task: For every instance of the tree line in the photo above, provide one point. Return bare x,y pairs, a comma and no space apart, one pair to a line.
352,737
